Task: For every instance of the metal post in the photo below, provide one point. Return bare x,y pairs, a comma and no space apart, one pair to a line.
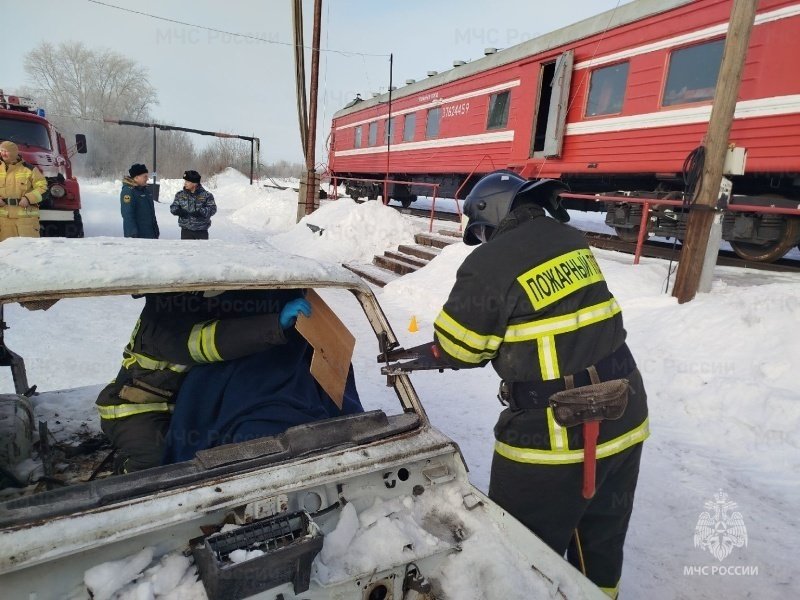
642,232
388,134
155,155
252,144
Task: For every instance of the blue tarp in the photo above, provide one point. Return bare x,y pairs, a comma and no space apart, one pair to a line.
259,395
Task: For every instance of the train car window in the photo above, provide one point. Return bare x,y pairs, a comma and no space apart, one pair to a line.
432,125
693,73
357,143
388,127
498,110
409,125
373,133
607,90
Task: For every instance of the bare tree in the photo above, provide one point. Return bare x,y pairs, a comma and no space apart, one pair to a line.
78,86
77,81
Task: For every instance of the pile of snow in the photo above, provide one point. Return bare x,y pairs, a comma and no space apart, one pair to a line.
410,528
139,577
345,231
428,288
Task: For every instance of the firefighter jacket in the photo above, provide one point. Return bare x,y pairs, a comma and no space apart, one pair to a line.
138,211
20,180
534,302
177,331
194,209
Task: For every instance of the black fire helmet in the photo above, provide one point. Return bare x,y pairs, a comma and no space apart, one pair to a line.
498,193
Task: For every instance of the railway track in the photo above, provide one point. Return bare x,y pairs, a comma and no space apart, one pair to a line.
651,249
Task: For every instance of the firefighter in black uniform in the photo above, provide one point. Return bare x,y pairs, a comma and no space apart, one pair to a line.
533,301
174,332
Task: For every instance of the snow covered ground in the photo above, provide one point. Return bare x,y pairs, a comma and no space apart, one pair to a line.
720,374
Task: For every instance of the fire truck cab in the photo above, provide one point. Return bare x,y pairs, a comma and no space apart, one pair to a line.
42,146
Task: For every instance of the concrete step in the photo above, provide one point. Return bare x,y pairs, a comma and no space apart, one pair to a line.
450,232
372,273
434,239
410,259
396,266
424,252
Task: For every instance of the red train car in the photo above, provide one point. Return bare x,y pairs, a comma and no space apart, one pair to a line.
614,103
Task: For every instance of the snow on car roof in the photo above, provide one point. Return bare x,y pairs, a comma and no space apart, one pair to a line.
57,267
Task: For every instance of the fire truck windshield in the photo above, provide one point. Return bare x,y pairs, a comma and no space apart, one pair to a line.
25,133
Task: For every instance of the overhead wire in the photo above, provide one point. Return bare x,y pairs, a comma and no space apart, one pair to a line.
231,33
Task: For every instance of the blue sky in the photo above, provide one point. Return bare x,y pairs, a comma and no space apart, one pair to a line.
207,80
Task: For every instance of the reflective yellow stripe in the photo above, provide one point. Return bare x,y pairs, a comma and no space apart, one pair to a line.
611,592
462,353
207,337
549,282
548,358
120,411
194,344
564,457
202,347
523,332
477,341
151,364
559,441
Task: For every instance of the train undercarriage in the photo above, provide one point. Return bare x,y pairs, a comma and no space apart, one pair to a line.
755,236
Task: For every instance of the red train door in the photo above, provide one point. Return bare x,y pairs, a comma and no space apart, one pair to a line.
552,104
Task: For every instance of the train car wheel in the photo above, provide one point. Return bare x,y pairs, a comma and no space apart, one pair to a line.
772,251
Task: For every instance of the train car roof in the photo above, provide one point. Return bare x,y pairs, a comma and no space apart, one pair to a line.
54,268
610,19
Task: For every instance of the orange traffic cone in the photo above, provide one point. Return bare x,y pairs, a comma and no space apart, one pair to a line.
412,326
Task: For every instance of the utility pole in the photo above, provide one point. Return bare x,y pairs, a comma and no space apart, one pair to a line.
703,212
312,179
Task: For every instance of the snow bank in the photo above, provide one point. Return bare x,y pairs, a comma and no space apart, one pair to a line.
138,577
350,232
428,288
407,529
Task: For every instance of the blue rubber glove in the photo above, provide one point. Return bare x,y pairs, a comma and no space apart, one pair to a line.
291,310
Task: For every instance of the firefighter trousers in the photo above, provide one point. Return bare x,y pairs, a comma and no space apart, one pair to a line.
16,221
547,499
139,439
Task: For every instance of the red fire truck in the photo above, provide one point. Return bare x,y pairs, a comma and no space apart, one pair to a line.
41,145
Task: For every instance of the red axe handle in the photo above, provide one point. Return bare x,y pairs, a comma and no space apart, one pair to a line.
591,430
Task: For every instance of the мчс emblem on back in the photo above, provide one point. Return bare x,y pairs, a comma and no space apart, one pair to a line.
720,529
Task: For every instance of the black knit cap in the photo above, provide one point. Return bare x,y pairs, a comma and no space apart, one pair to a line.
137,169
191,176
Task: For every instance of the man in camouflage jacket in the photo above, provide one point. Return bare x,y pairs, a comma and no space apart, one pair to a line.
194,206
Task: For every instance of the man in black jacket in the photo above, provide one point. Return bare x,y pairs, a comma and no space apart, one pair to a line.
533,301
194,206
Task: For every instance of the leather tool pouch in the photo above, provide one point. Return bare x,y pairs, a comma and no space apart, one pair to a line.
595,402
140,392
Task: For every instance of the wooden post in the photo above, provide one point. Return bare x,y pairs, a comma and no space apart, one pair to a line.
312,189
702,213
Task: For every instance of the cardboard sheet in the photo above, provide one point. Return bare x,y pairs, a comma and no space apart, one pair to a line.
333,346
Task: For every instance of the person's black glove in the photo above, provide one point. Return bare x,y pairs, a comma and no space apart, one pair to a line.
182,213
